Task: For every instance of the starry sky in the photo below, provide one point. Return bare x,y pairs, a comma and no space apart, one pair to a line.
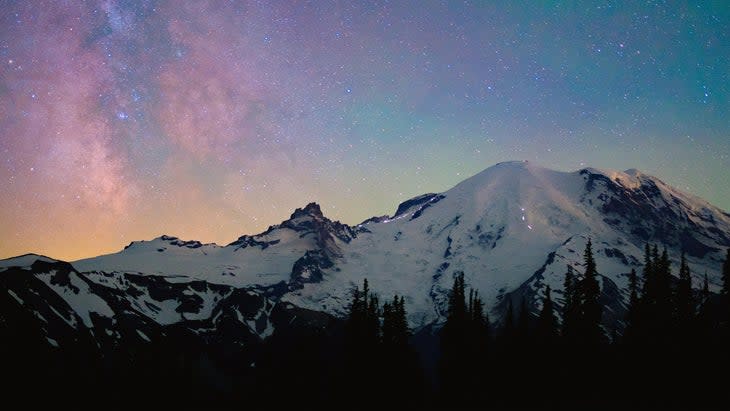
125,120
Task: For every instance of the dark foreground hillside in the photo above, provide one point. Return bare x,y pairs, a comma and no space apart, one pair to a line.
671,354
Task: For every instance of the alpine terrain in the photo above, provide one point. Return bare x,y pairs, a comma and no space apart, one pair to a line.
512,230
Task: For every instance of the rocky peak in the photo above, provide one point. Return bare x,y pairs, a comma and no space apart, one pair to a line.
407,205
311,209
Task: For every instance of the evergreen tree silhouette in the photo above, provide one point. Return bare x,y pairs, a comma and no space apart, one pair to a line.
508,329
589,295
648,275
372,323
725,291
656,303
632,314
523,323
362,332
546,323
355,322
464,344
570,305
477,347
726,275
400,374
479,321
454,345
645,306
684,305
395,331
704,314
388,329
663,302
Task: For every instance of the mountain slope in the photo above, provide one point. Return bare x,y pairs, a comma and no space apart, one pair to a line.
516,222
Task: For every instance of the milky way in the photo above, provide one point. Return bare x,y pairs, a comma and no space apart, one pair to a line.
124,120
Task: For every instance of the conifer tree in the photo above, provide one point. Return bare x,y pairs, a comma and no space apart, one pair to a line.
457,305
656,271
523,322
401,321
648,275
705,317
703,310
546,323
663,298
664,276
570,305
590,293
454,340
725,291
477,337
363,321
683,300
656,302
470,305
726,275
645,306
478,318
464,339
388,329
632,315
395,331
508,329
372,324
362,330
356,318
399,375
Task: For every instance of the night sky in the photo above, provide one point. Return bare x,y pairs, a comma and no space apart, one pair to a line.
125,120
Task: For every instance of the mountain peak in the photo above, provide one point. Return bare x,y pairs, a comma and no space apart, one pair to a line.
506,174
311,209
512,163
25,260
411,203
509,172
631,178
515,166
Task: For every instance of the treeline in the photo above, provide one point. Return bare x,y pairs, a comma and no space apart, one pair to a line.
674,340
378,353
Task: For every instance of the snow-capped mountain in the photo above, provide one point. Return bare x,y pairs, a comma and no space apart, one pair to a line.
512,229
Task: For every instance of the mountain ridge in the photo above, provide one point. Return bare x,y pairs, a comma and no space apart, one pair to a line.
512,229
618,176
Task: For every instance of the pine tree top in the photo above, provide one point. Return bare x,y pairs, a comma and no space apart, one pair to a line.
726,275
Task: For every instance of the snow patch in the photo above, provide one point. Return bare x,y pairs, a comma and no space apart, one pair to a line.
143,336
18,299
